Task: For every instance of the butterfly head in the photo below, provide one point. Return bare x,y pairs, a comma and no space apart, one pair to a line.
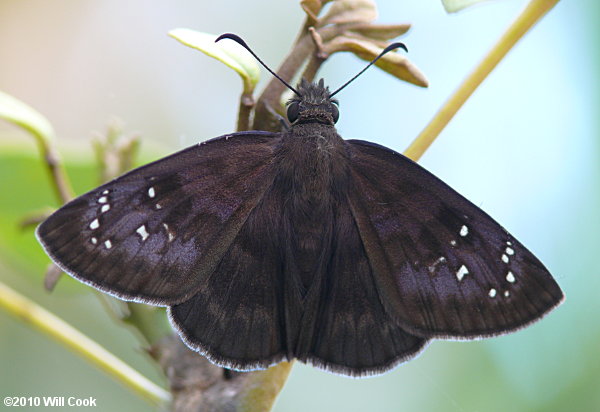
313,104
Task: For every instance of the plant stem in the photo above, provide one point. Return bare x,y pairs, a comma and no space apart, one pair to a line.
58,176
534,11
261,389
245,109
40,318
149,321
270,98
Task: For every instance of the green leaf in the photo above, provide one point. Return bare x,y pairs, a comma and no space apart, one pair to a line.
17,112
453,6
227,52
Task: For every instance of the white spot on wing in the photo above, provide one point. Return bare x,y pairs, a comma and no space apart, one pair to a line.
105,208
95,224
504,258
510,277
461,272
106,192
169,233
94,240
108,244
453,242
103,199
142,232
506,293
492,293
509,251
464,231
509,243
441,259
151,192
158,206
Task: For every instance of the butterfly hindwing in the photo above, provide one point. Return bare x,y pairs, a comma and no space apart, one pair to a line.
153,234
236,318
443,267
352,333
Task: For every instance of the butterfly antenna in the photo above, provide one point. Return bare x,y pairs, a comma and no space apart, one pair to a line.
242,43
388,49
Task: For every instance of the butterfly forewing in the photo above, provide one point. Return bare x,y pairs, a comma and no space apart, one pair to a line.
155,233
443,267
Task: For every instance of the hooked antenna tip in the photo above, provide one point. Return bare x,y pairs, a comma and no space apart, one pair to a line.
394,46
233,37
242,43
388,49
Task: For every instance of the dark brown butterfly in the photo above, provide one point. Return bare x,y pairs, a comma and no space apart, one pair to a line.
272,246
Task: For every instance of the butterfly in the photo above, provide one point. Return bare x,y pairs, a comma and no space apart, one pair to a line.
272,246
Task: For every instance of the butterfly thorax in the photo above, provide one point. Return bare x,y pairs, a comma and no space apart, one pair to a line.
312,176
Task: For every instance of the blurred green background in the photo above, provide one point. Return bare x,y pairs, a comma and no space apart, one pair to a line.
525,148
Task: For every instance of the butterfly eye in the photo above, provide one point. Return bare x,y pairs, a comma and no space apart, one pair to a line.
292,111
335,113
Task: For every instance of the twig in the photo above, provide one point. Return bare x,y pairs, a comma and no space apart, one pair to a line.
318,41
127,150
149,321
301,51
53,273
199,385
61,184
33,219
318,57
246,105
261,389
58,329
534,11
